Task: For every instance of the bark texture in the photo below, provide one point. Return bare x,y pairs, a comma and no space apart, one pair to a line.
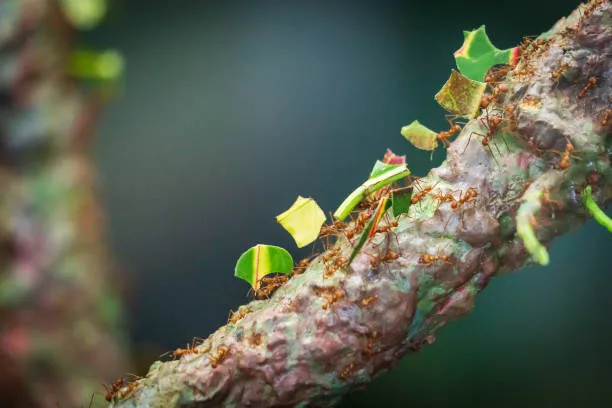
60,335
329,331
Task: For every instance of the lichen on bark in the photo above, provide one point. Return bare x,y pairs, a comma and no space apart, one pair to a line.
320,337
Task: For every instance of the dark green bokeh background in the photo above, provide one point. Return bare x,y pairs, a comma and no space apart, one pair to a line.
231,109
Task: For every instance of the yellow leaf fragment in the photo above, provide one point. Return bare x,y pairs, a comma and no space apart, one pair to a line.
303,220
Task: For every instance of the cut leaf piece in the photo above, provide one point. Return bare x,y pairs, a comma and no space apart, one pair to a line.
461,96
262,260
594,210
381,167
368,187
392,158
401,200
420,136
303,220
478,54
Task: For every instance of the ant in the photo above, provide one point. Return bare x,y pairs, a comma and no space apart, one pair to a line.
427,259
331,269
496,74
336,296
444,135
235,317
269,285
255,340
588,10
526,71
369,348
112,389
366,302
490,124
470,194
130,387
557,73
347,371
443,197
191,349
218,356
512,123
607,116
361,220
389,256
117,385
333,229
591,82
419,195
332,253
301,266
488,98
564,162
388,227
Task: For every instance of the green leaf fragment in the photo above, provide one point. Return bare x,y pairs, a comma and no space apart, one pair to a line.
401,200
381,167
303,220
477,54
420,136
525,230
461,96
262,260
594,210
368,187
84,14
99,66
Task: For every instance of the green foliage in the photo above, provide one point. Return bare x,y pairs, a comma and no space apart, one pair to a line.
381,167
395,173
420,136
104,66
84,14
524,229
477,55
262,260
594,210
401,200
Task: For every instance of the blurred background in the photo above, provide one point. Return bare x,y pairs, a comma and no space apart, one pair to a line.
229,110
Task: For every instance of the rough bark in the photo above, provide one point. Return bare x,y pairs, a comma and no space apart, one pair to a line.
316,340
60,337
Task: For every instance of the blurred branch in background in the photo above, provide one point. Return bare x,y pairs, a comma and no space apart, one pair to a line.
61,331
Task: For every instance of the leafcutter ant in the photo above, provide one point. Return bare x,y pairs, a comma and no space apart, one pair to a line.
366,302
235,317
591,82
344,375
269,284
606,117
336,296
218,356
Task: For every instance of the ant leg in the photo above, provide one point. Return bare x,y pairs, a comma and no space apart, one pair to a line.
450,117
470,139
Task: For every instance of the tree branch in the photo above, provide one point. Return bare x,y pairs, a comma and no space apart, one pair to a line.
60,336
320,337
